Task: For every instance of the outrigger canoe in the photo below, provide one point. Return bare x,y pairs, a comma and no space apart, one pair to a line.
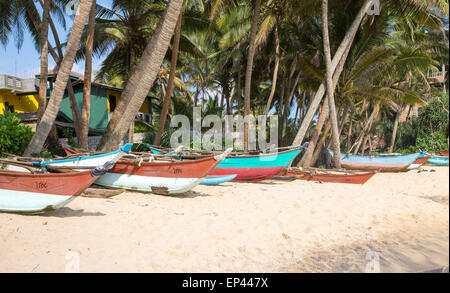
419,162
377,163
215,180
438,160
85,160
25,192
444,153
164,177
252,167
329,176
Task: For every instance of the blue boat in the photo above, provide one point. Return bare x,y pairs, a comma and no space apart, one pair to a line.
383,163
251,167
438,161
86,161
215,180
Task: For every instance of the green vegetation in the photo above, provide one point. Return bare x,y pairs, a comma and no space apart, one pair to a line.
14,136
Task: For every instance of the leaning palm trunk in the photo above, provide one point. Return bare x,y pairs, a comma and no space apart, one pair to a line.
248,73
86,110
330,87
44,60
275,72
321,143
394,132
52,109
142,79
306,160
315,102
173,67
366,128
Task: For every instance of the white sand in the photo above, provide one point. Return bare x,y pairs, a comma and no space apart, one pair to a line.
243,227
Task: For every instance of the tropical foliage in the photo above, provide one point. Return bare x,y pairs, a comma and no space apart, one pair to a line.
271,57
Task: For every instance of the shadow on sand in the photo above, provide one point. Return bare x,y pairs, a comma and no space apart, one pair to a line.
66,212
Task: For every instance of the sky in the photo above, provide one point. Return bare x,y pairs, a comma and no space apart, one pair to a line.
26,62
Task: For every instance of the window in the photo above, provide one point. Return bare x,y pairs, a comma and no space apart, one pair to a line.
112,103
8,108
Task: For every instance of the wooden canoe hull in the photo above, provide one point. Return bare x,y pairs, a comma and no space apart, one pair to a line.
438,161
158,177
374,166
253,167
419,162
386,163
34,193
215,180
331,178
252,174
86,161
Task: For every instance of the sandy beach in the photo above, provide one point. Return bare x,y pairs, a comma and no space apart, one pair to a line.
272,226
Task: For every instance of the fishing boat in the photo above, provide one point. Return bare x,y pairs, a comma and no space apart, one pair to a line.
84,160
438,160
160,177
250,167
216,180
443,153
69,150
330,176
419,162
26,192
377,163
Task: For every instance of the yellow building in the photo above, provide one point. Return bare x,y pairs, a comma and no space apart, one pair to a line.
21,96
18,95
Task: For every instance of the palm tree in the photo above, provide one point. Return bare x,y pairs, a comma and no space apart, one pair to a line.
44,59
176,43
52,109
346,42
142,78
330,87
249,70
86,108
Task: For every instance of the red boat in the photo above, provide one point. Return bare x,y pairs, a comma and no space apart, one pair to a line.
330,176
160,177
444,153
34,193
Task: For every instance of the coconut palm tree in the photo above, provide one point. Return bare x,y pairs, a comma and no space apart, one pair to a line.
86,107
65,67
142,78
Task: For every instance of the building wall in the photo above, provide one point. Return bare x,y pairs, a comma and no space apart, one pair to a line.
99,113
144,108
21,103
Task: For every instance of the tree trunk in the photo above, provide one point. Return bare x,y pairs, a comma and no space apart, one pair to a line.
366,128
52,109
307,157
173,67
321,143
394,132
340,54
239,91
142,79
275,72
330,88
86,110
288,105
44,60
248,73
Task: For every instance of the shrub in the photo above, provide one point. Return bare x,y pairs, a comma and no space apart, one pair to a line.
14,136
